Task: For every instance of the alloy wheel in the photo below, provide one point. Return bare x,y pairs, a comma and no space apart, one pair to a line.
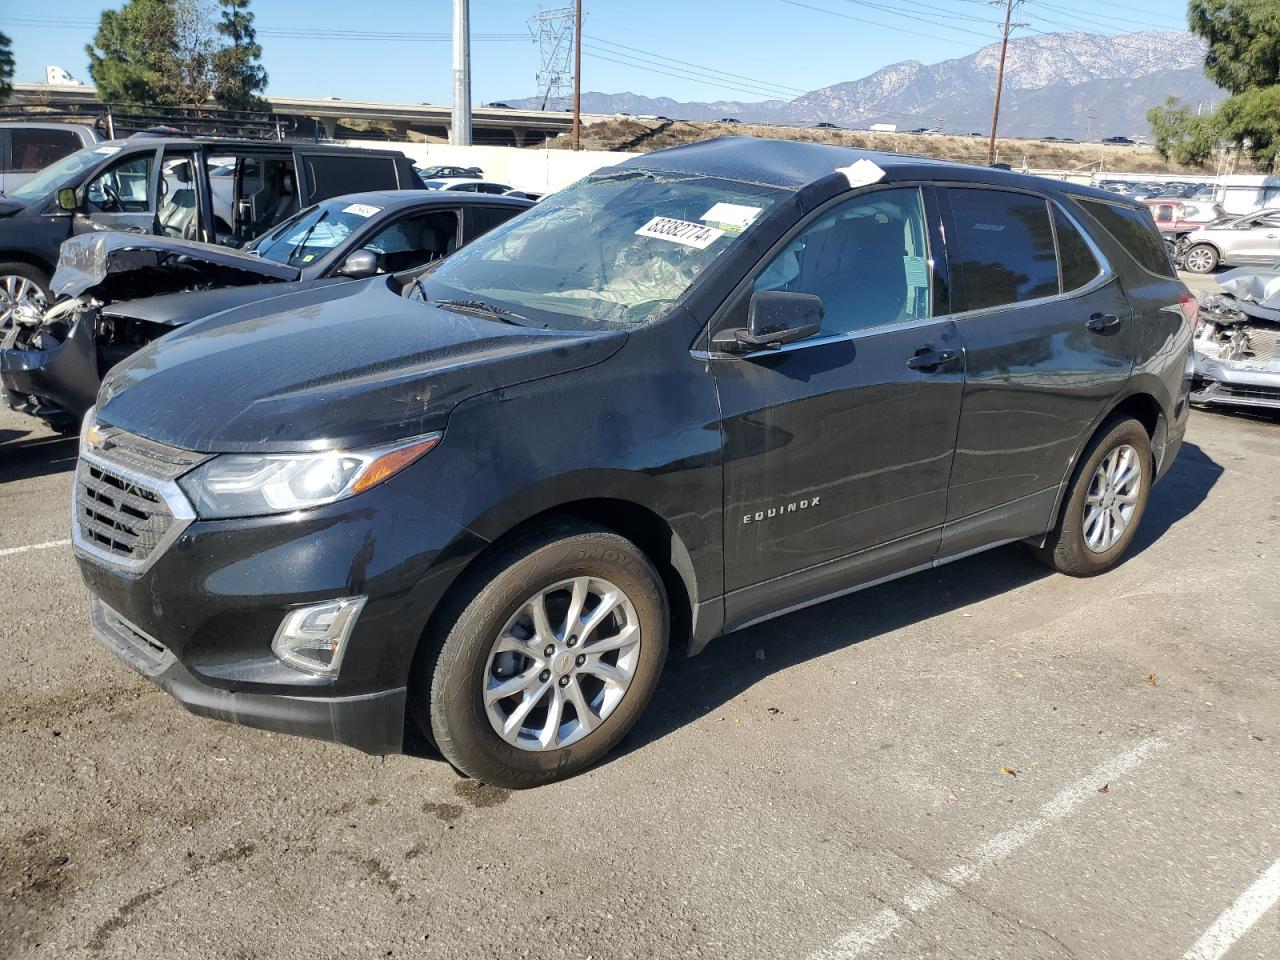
1112,498
1200,261
561,664
18,293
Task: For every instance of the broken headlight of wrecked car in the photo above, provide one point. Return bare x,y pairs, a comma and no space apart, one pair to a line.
251,485
1237,344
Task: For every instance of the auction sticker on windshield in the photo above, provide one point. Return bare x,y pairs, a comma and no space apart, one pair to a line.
733,217
361,209
688,234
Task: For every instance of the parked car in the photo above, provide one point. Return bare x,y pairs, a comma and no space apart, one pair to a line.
1176,218
439,172
161,185
700,389
465,185
1237,345
1251,240
1120,141
28,146
128,290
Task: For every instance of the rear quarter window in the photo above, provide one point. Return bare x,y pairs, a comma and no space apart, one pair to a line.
332,176
1134,230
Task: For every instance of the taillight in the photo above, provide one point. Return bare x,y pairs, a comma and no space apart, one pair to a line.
1190,308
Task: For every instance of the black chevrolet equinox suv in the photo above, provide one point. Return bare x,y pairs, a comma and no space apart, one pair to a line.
703,388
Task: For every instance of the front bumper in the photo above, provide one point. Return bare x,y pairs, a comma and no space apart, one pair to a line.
1239,383
57,384
199,618
371,722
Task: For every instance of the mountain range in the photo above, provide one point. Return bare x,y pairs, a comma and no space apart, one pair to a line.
1061,84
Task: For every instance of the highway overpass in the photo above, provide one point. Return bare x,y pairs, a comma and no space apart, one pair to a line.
490,125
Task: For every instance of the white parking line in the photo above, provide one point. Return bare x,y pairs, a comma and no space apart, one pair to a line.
1234,922
47,545
866,936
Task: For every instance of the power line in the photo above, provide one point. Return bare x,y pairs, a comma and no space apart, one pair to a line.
906,16
695,66
876,23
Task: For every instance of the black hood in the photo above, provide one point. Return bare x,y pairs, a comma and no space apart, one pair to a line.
349,365
85,262
11,205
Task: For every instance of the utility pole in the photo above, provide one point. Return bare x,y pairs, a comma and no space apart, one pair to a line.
995,111
1088,136
577,72
460,125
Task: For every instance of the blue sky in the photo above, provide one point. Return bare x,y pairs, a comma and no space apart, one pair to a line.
685,49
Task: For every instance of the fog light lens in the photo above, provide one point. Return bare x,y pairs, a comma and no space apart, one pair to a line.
313,638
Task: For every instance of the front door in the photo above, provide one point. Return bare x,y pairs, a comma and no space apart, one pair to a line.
837,449
122,196
1260,243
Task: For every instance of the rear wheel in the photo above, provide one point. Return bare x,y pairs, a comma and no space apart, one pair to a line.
23,289
555,652
1105,503
1201,258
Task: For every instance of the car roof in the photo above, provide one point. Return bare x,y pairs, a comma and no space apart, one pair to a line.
48,125
391,199
793,165
240,145
452,181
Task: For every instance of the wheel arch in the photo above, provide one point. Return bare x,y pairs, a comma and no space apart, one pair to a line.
1139,404
30,259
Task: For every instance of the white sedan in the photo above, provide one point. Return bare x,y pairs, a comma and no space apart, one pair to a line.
467,185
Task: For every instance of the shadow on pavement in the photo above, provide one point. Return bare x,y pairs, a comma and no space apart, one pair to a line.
729,666
40,456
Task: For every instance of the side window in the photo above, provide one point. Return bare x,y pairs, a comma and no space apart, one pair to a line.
1003,251
1079,265
465,188
179,209
332,176
1134,230
494,188
484,219
33,150
415,240
1271,220
124,187
868,260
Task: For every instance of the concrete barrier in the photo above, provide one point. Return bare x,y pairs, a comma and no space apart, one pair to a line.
538,171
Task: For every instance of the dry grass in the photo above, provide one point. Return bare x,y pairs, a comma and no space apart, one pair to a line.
646,135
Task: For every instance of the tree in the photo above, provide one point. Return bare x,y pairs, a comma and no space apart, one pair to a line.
1252,120
130,58
6,68
1179,136
1243,38
238,65
168,53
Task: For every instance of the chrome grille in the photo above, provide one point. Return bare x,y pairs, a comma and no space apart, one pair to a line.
119,515
127,505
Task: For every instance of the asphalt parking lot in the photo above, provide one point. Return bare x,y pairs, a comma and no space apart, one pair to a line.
982,761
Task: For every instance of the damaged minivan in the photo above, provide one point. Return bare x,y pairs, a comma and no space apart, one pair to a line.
1237,345
119,291
690,393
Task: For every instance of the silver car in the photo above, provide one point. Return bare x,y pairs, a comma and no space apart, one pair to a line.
1250,240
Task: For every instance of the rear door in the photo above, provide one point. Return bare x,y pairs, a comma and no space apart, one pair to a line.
481,218
837,449
326,175
1046,331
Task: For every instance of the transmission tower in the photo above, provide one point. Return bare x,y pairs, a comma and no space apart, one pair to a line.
553,30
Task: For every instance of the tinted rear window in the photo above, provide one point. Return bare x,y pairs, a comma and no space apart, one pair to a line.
34,149
1134,230
1003,250
329,176
1079,265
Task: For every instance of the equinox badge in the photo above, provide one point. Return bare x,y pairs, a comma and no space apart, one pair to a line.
772,512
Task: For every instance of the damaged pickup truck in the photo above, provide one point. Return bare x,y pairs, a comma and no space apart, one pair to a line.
119,291
1237,344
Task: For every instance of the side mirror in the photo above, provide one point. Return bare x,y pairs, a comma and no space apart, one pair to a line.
362,263
774,317
67,200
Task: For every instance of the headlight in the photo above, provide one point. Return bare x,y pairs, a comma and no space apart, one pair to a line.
250,485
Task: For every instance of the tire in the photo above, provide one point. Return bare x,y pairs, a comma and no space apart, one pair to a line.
1202,258
1074,546
29,284
448,692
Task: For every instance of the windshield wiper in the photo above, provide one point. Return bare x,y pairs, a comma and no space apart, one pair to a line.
487,309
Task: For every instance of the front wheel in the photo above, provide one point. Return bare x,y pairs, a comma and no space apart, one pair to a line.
1104,504
1201,258
555,652
23,290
